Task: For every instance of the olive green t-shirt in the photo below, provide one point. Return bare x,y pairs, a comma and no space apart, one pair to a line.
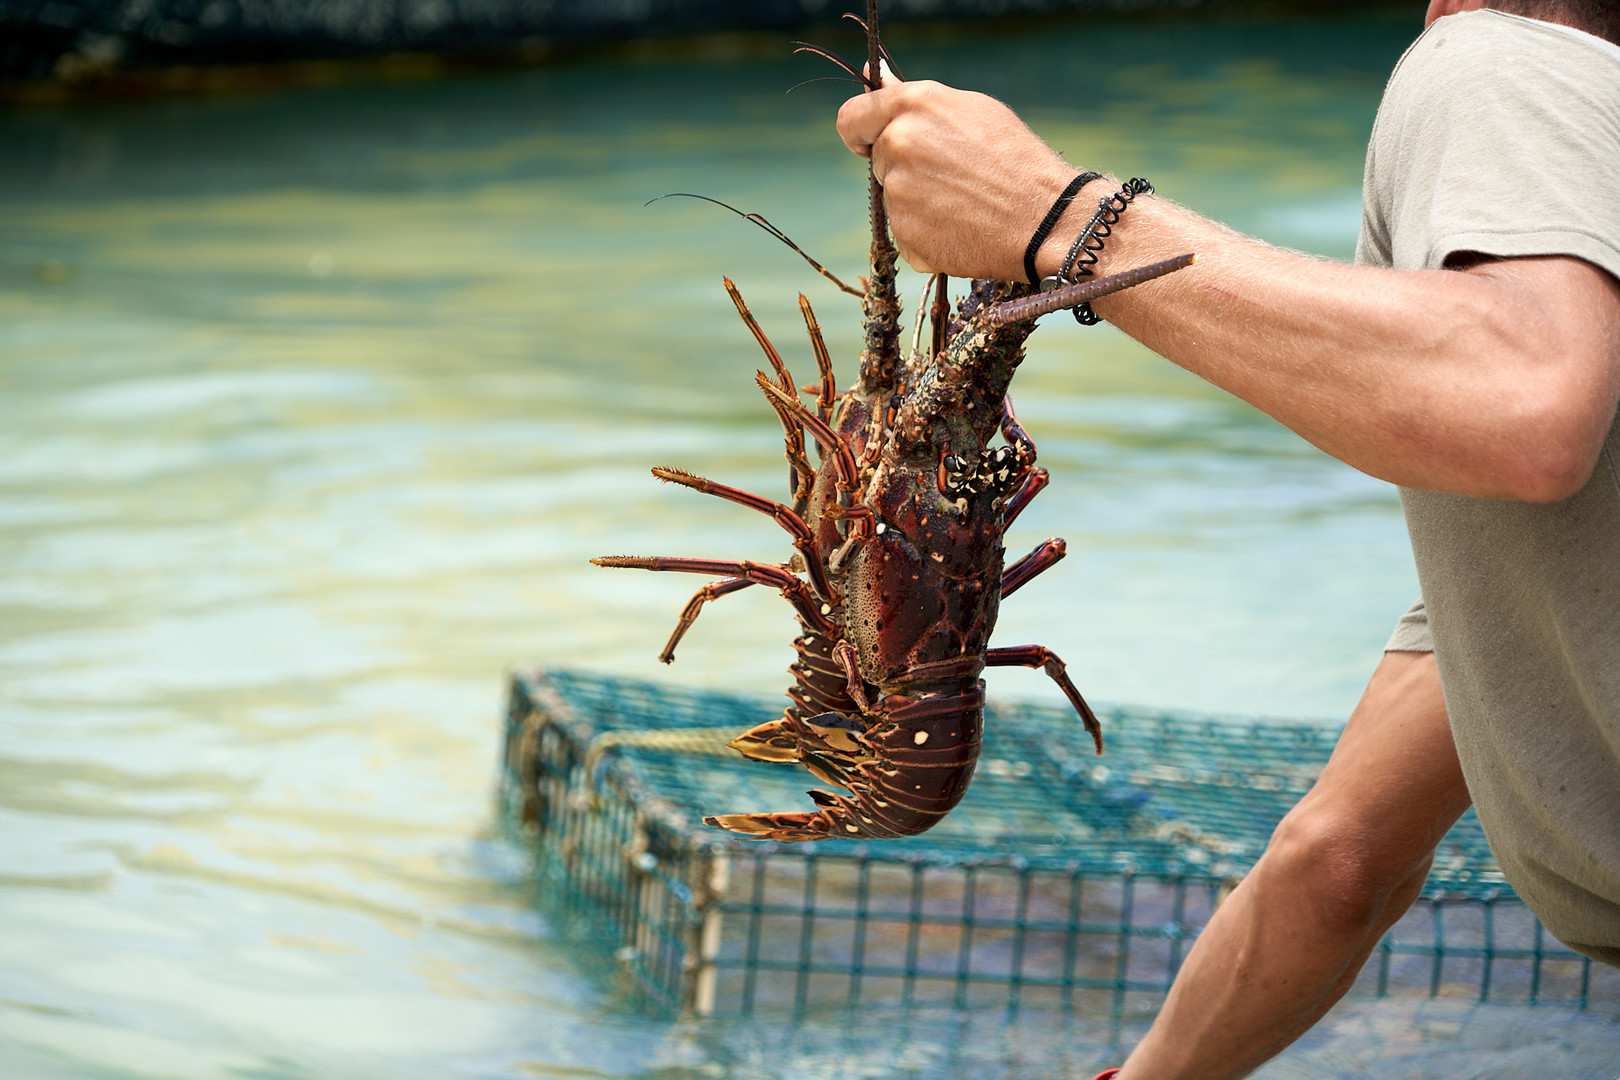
1501,135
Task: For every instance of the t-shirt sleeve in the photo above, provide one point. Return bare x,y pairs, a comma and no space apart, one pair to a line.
1469,158
1412,631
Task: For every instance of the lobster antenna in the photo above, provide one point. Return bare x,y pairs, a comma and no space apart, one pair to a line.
759,220
805,46
823,78
874,47
882,304
1068,296
883,50
870,82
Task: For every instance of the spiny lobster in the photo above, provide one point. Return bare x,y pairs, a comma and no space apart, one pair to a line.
897,534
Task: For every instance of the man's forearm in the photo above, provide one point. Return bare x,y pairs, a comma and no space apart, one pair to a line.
1465,382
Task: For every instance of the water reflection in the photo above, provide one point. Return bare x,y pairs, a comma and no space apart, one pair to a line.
314,405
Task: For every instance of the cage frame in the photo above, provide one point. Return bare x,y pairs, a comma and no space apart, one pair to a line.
623,853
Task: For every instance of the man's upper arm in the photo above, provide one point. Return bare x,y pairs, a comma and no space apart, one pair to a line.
1573,308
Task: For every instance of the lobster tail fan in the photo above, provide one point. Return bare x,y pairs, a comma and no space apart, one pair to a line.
770,741
787,828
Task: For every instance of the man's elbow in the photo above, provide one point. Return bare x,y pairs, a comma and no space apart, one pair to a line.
1549,478
1555,457
1544,334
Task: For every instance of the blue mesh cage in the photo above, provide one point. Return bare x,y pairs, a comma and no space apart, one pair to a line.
1062,880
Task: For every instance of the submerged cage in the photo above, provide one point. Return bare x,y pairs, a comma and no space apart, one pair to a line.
1062,880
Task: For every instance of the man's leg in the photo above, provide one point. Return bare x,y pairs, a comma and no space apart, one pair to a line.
1341,868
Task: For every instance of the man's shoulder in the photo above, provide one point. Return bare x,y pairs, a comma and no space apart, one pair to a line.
1483,111
1495,45
1500,71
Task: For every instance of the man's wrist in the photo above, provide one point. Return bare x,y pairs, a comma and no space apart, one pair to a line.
1043,231
1049,259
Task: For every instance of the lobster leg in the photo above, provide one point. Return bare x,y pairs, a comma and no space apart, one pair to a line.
847,659
1014,433
837,447
1042,558
900,780
1033,656
712,591
939,315
811,609
824,401
771,354
1024,449
801,475
1033,483
882,422
803,538
804,476
832,444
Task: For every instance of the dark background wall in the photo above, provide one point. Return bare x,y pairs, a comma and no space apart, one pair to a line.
74,40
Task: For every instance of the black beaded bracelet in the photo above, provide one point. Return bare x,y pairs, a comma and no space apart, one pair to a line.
1044,229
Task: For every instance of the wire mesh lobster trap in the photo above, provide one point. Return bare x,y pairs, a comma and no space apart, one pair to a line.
1062,880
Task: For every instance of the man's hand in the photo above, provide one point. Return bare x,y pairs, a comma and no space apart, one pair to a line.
965,181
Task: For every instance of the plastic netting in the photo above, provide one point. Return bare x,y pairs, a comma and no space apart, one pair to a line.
1062,880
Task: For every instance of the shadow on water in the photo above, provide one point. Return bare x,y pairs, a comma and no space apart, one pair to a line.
313,406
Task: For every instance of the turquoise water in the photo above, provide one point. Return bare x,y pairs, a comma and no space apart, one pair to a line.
314,404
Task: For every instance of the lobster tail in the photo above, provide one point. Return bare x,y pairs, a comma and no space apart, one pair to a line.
903,773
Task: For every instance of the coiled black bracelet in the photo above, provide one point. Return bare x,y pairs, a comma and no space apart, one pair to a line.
1044,229
1083,252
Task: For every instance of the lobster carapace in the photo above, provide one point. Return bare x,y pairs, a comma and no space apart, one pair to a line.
898,570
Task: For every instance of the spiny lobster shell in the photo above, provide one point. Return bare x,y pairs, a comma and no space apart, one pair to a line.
898,537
